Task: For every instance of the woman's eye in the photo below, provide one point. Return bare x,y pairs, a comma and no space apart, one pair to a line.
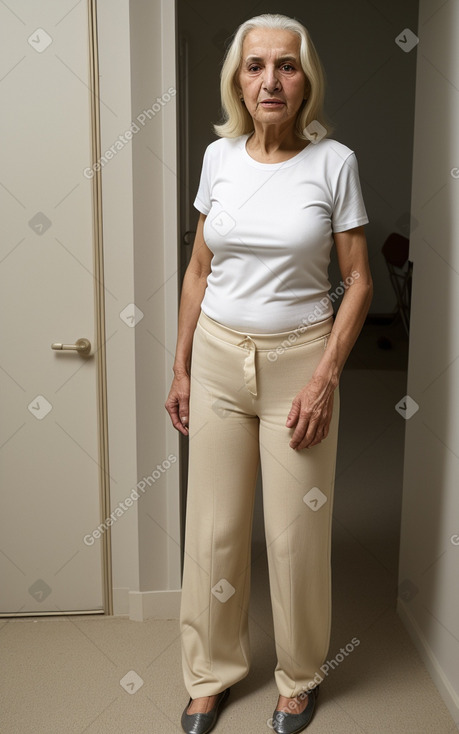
287,67
254,67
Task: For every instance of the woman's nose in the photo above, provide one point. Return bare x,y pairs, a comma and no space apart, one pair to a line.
270,79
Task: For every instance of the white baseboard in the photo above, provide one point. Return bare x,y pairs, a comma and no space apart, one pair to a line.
154,605
447,692
141,605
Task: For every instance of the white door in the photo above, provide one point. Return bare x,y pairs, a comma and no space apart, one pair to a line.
50,415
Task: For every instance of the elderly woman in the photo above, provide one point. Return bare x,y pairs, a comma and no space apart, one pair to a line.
258,360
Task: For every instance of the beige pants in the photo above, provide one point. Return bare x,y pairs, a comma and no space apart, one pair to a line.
242,388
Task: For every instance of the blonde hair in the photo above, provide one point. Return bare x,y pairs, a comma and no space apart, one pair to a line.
236,118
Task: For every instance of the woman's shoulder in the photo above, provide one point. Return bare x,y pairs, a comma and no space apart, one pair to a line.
333,150
222,146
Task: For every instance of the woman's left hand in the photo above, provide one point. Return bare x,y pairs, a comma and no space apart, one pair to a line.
311,413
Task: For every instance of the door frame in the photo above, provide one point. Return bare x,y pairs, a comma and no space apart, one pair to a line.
99,308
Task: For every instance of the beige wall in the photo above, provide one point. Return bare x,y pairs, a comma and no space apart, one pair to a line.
140,250
429,553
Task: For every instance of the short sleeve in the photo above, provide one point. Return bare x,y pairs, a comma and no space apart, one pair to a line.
202,201
349,209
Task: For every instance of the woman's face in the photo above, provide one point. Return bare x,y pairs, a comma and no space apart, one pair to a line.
271,78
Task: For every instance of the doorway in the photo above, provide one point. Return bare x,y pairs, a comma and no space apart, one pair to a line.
55,555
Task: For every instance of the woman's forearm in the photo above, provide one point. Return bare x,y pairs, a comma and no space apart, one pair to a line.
193,288
346,328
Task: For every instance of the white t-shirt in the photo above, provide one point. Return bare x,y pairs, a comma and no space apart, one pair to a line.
270,228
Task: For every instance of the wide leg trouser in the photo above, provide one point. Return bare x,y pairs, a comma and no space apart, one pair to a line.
242,387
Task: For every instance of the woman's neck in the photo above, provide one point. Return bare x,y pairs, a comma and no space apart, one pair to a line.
272,143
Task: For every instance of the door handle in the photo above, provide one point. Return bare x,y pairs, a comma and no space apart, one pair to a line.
82,346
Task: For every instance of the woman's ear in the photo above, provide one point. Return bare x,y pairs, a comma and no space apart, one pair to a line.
236,84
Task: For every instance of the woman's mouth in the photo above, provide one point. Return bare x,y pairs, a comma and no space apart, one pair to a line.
271,103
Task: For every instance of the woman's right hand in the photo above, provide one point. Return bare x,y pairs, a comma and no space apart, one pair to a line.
178,400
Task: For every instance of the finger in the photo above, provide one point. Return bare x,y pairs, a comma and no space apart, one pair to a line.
312,433
183,429
179,422
300,431
308,443
323,427
293,414
184,411
307,440
316,434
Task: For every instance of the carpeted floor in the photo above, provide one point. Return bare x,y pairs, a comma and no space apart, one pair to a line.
62,675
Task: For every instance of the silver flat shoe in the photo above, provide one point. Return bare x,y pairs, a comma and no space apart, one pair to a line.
203,723
284,723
